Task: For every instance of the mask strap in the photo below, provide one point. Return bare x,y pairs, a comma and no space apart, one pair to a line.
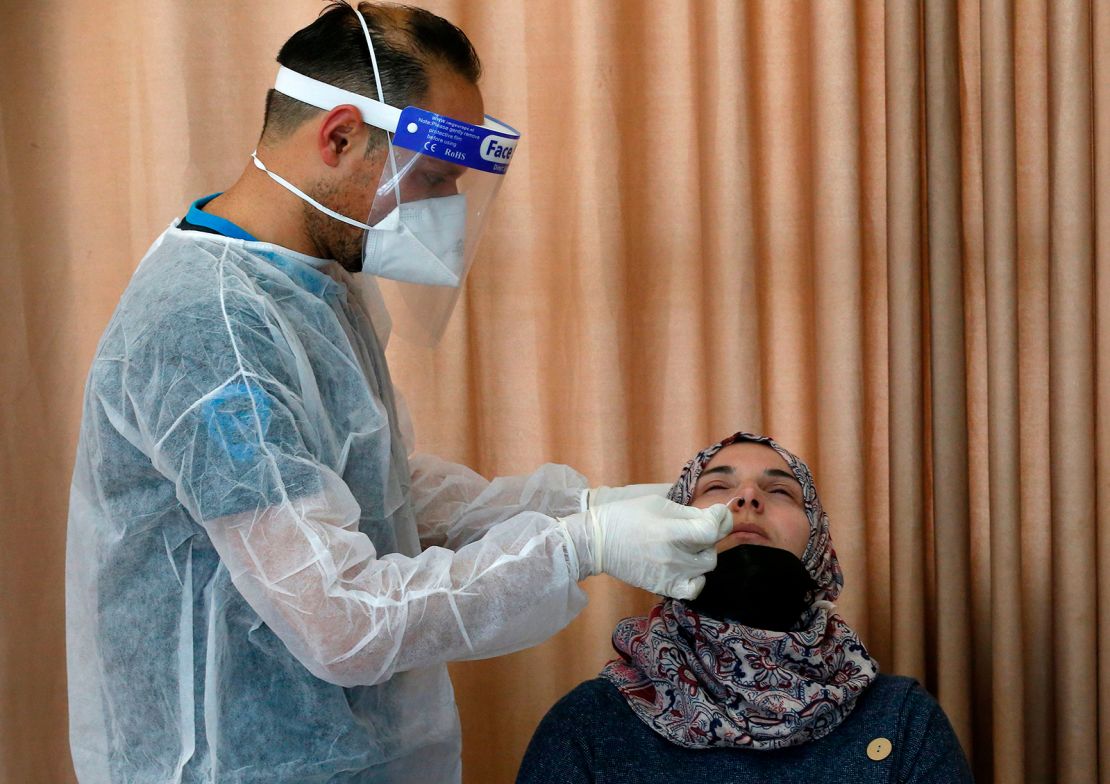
297,191
381,97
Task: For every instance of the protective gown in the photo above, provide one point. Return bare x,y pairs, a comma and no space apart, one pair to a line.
262,586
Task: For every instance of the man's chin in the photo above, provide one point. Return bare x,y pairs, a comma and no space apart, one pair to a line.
351,265
348,255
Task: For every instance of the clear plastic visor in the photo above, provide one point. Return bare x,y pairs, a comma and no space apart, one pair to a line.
433,196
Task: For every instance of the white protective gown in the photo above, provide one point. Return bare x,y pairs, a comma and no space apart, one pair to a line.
259,586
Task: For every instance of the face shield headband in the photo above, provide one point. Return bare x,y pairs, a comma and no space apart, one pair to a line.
439,180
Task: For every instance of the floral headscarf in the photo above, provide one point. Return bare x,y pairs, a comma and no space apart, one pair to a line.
701,682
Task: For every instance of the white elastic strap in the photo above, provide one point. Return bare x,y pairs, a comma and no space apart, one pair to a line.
327,96
373,57
294,189
574,565
381,99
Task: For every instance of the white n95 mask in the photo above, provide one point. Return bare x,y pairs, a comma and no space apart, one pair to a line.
419,242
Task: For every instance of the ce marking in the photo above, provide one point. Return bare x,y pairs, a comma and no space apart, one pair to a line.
430,146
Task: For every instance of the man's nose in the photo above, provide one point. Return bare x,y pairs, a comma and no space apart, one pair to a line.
749,497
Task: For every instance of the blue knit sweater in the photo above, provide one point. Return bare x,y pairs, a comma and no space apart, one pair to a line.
591,735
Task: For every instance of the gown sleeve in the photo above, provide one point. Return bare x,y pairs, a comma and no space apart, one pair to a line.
455,506
221,414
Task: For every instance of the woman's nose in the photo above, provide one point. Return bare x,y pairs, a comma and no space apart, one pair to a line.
750,497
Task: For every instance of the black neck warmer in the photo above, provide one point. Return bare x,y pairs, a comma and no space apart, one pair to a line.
757,586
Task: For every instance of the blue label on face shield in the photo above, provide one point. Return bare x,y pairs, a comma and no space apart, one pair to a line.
455,141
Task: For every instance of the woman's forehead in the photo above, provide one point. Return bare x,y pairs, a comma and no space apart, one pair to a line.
748,456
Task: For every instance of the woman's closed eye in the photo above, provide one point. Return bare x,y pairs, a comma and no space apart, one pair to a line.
783,490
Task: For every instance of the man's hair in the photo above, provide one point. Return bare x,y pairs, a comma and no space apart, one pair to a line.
408,41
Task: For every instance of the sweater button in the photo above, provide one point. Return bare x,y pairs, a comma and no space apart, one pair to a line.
879,749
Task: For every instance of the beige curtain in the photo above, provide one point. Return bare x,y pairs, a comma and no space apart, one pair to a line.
878,231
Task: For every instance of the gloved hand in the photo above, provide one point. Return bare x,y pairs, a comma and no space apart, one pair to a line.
649,542
596,496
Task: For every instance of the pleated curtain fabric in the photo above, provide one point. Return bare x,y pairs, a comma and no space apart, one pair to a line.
879,231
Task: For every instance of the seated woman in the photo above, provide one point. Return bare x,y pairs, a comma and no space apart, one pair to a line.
757,679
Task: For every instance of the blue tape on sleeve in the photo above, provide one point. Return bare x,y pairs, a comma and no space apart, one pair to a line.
455,141
234,415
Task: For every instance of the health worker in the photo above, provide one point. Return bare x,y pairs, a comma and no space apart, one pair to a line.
263,583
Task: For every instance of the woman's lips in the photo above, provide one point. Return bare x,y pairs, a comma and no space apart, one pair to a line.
748,529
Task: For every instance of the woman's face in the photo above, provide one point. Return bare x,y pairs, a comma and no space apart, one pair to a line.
761,492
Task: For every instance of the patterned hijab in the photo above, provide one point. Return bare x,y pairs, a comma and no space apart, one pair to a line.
704,683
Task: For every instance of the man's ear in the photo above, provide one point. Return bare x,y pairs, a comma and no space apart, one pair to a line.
336,134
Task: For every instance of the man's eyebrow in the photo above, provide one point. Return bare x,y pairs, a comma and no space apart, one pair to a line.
778,472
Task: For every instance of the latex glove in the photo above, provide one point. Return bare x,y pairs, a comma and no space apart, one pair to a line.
649,542
596,496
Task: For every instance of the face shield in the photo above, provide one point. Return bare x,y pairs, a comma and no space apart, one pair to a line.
439,180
